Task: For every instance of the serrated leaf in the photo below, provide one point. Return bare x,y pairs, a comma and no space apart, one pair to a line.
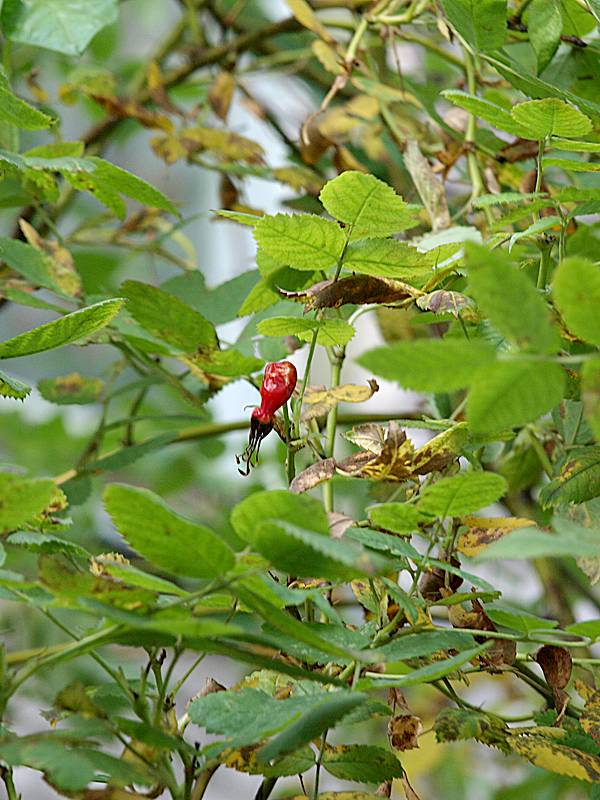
17,112
490,112
394,517
296,550
22,500
331,709
302,241
461,494
279,506
483,531
71,389
329,331
545,24
38,542
513,393
387,258
481,23
578,480
362,763
120,180
28,262
167,317
551,117
370,206
11,387
430,365
62,331
432,672
66,26
430,188
168,540
499,287
576,292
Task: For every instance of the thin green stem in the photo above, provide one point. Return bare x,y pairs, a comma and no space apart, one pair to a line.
337,359
7,776
298,406
290,459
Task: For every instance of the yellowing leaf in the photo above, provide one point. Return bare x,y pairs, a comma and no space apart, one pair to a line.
557,758
308,19
485,530
329,58
320,401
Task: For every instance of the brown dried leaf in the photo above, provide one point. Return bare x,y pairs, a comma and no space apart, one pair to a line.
483,531
313,143
60,264
436,583
320,401
519,150
315,474
220,94
556,664
356,289
430,189
156,87
384,789
502,651
369,436
409,792
404,731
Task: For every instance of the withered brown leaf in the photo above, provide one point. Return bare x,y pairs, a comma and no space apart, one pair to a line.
356,289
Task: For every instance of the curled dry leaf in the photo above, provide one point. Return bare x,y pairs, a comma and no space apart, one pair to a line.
384,789
129,109
319,402
387,454
502,651
225,145
356,289
404,731
483,531
220,94
437,582
409,792
556,664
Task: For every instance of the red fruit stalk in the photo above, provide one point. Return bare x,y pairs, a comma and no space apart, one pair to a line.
279,382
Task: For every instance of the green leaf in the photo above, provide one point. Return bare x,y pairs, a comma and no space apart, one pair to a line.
576,293
590,394
28,262
462,494
431,672
11,387
544,23
302,241
362,763
496,115
279,506
19,113
71,389
136,577
325,714
394,517
519,620
21,500
481,23
551,117
568,540
38,542
570,165
167,317
440,365
67,26
330,331
417,645
499,288
387,258
163,537
369,206
118,179
578,481
296,550
62,331
512,393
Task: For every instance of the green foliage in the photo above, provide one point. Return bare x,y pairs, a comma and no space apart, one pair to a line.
335,599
